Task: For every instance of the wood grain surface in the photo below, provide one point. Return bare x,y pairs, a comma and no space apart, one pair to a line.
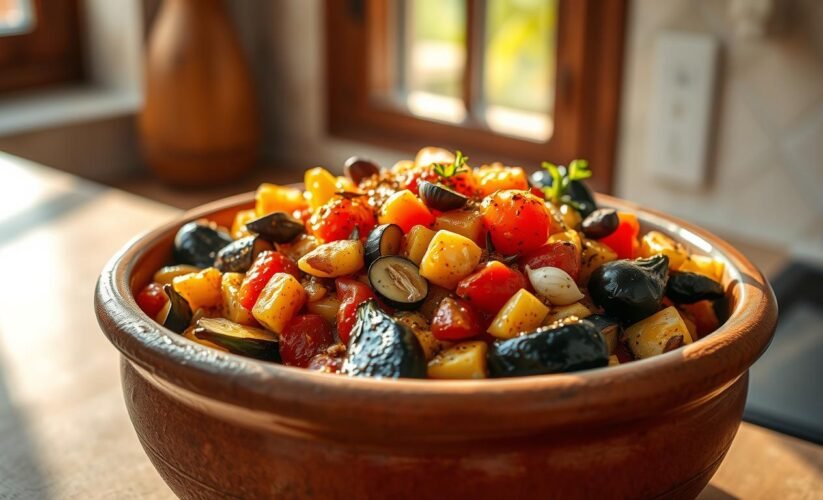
64,431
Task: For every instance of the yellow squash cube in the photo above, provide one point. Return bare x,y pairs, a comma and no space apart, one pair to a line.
320,186
416,241
651,336
201,289
273,198
449,258
706,266
238,227
334,259
655,242
232,309
279,301
571,236
594,255
326,307
466,360
523,312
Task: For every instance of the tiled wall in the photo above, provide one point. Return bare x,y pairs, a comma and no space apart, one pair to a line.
766,174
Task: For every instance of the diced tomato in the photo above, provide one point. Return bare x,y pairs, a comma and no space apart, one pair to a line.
325,363
337,219
517,221
455,319
624,239
560,254
266,265
351,293
303,338
151,299
490,287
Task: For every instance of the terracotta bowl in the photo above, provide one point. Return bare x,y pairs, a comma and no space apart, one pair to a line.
216,424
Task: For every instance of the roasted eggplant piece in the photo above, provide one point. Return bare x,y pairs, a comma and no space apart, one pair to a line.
197,243
397,281
383,347
600,223
439,197
238,256
567,348
578,191
688,288
239,339
630,290
177,312
357,169
277,227
385,239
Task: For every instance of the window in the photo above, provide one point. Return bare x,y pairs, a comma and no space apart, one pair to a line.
39,43
516,80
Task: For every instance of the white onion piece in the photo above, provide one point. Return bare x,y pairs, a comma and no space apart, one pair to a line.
555,285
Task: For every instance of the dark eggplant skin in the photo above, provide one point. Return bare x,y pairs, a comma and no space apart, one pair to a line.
688,288
239,255
568,348
357,169
600,223
578,190
440,197
197,243
382,347
265,350
630,290
277,227
383,240
180,314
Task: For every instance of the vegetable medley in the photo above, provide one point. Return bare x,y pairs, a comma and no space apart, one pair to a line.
435,269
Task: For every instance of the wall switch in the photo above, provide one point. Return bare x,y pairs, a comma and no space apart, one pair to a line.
685,67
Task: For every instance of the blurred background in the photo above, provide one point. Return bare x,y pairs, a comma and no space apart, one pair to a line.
711,110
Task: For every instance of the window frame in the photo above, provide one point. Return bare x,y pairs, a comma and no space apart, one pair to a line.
50,53
590,40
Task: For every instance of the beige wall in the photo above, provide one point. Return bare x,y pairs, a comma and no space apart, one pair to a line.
766,180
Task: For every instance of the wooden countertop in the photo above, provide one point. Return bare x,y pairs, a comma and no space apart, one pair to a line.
64,431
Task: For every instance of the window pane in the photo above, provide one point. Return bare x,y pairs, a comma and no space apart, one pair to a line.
16,17
519,67
435,56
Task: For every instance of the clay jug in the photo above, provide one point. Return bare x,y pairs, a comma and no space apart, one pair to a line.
199,124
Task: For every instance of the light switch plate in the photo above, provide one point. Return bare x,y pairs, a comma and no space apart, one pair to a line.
685,68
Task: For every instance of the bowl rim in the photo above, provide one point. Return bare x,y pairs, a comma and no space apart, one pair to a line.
329,403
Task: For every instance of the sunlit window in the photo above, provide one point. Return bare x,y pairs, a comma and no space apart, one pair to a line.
519,67
16,17
514,63
434,46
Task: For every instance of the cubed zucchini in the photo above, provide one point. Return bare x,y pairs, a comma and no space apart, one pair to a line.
523,312
657,334
466,360
449,258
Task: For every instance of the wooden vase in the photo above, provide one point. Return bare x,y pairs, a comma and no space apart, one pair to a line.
199,124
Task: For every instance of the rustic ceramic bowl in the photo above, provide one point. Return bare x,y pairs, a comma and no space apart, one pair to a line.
216,424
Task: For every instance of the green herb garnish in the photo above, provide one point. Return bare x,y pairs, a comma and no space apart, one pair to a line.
446,170
558,192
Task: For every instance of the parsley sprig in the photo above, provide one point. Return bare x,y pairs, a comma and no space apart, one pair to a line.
446,170
578,170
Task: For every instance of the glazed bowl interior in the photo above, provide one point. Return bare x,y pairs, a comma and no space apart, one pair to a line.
263,392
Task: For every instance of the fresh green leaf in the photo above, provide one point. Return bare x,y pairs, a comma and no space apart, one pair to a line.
446,170
578,170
